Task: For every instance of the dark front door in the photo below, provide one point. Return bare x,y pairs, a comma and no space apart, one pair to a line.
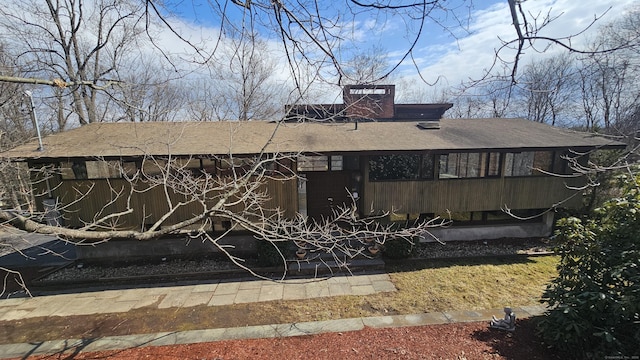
325,191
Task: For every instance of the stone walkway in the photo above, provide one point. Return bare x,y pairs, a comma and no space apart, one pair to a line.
216,294
253,332
211,294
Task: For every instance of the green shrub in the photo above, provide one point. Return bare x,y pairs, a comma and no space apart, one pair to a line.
272,253
398,248
595,300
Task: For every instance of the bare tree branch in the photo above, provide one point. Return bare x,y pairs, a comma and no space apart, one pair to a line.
59,83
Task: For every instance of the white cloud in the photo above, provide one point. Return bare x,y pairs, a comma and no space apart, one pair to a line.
468,57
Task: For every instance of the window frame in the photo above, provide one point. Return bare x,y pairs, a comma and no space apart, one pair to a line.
420,174
333,163
533,169
482,166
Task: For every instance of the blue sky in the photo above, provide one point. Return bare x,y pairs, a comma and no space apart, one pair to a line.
460,48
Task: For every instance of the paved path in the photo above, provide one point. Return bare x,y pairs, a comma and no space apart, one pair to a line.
216,294
19,250
211,294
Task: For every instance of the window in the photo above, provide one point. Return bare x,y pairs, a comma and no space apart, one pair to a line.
527,163
313,163
542,162
519,215
102,169
278,166
130,168
469,165
459,165
241,165
209,165
401,167
73,170
186,166
229,166
560,163
492,167
234,163
368,91
393,217
352,162
153,167
336,162
322,163
427,167
82,170
457,216
394,167
187,163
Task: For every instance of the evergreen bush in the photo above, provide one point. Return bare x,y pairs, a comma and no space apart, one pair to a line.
594,303
272,253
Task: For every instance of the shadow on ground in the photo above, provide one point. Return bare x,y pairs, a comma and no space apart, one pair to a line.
405,265
513,345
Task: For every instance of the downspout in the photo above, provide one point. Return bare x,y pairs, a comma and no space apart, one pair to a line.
34,119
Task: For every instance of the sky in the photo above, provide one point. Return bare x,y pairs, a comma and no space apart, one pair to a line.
457,45
470,55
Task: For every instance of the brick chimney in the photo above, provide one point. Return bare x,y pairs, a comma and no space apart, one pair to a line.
369,101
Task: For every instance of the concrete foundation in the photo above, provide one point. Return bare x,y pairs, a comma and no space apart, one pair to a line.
487,232
131,249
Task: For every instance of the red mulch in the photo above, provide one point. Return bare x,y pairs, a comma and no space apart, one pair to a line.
449,341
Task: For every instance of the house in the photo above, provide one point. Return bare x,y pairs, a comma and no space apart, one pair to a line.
399,158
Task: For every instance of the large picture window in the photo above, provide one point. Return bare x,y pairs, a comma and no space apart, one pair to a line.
401,167
459,165
528,163
469,165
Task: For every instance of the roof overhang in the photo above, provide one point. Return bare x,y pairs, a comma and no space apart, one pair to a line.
111,140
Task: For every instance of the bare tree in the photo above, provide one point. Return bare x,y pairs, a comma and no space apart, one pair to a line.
488,99
528,28
148,92
243,71
367,67
15,129
205,103
312,36
609,82
546,88
315,35
73,45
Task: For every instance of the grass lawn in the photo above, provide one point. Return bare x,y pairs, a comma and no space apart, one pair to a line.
438,285
424,286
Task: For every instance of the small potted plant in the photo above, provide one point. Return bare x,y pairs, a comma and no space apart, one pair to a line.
373,249
301,253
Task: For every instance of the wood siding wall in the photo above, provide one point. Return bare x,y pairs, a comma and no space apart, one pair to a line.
429,196
478,194
104,197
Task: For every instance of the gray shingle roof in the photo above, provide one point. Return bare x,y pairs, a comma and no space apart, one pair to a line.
191,138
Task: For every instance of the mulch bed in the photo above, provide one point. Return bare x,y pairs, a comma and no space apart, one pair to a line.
450,341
